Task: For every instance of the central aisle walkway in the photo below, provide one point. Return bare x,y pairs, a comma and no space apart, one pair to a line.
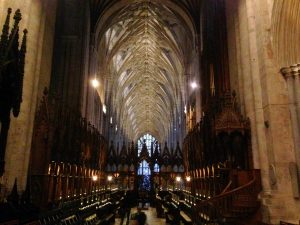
151,217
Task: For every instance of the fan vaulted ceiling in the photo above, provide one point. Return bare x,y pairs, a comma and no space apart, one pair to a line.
144,51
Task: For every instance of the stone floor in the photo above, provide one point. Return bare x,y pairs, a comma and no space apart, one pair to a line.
151,217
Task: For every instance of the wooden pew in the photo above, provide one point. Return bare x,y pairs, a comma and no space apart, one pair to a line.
185,218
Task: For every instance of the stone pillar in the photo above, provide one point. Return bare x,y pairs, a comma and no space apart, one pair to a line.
291,75
38,17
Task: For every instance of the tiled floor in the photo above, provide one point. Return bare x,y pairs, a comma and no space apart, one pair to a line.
151,217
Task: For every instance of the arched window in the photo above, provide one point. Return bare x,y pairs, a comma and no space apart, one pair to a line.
144,168
156,168
148,139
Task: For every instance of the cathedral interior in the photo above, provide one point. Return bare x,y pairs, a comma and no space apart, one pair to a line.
174,111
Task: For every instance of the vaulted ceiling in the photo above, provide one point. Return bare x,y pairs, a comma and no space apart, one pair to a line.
192,7
144,50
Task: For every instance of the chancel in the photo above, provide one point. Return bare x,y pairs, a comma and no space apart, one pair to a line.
149,112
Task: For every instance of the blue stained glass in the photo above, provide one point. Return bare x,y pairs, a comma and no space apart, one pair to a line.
149,139
144,171
144,168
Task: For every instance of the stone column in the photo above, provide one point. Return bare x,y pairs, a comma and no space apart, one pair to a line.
296,86
39,18
291,75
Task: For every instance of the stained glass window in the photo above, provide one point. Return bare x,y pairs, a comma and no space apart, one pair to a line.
144,168
156,168
148,138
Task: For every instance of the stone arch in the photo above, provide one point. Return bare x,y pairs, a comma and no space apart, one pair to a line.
122,45
285,29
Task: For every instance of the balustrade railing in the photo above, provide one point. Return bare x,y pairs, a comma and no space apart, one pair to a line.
229,205
209,181
218,196
65,181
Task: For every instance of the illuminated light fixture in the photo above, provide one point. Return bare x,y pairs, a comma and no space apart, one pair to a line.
94,177
116,175
185,110
110,120
109,178
194,85
178,179
188,178
104,109
95,83
116,128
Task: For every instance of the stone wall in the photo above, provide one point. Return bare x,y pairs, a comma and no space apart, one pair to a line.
38,17
264,99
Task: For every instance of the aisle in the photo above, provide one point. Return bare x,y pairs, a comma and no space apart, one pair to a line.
151,217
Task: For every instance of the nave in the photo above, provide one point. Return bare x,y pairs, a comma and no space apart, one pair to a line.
188,110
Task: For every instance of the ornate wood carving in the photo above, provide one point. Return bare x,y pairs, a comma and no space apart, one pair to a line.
229,119
222,135
12,63
64,147
65,136
125,163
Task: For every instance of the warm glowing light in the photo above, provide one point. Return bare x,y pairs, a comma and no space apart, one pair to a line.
188,178
194,85
109,178
94,177
95,83
178,179
104,109
185,110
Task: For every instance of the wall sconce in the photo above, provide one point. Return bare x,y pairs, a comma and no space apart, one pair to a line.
94,178
95,83
109,178
188,178
194,85
104,109
178,179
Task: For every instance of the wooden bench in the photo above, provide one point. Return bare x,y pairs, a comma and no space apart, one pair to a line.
185,218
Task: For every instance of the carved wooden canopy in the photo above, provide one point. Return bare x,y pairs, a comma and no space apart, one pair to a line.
230,119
